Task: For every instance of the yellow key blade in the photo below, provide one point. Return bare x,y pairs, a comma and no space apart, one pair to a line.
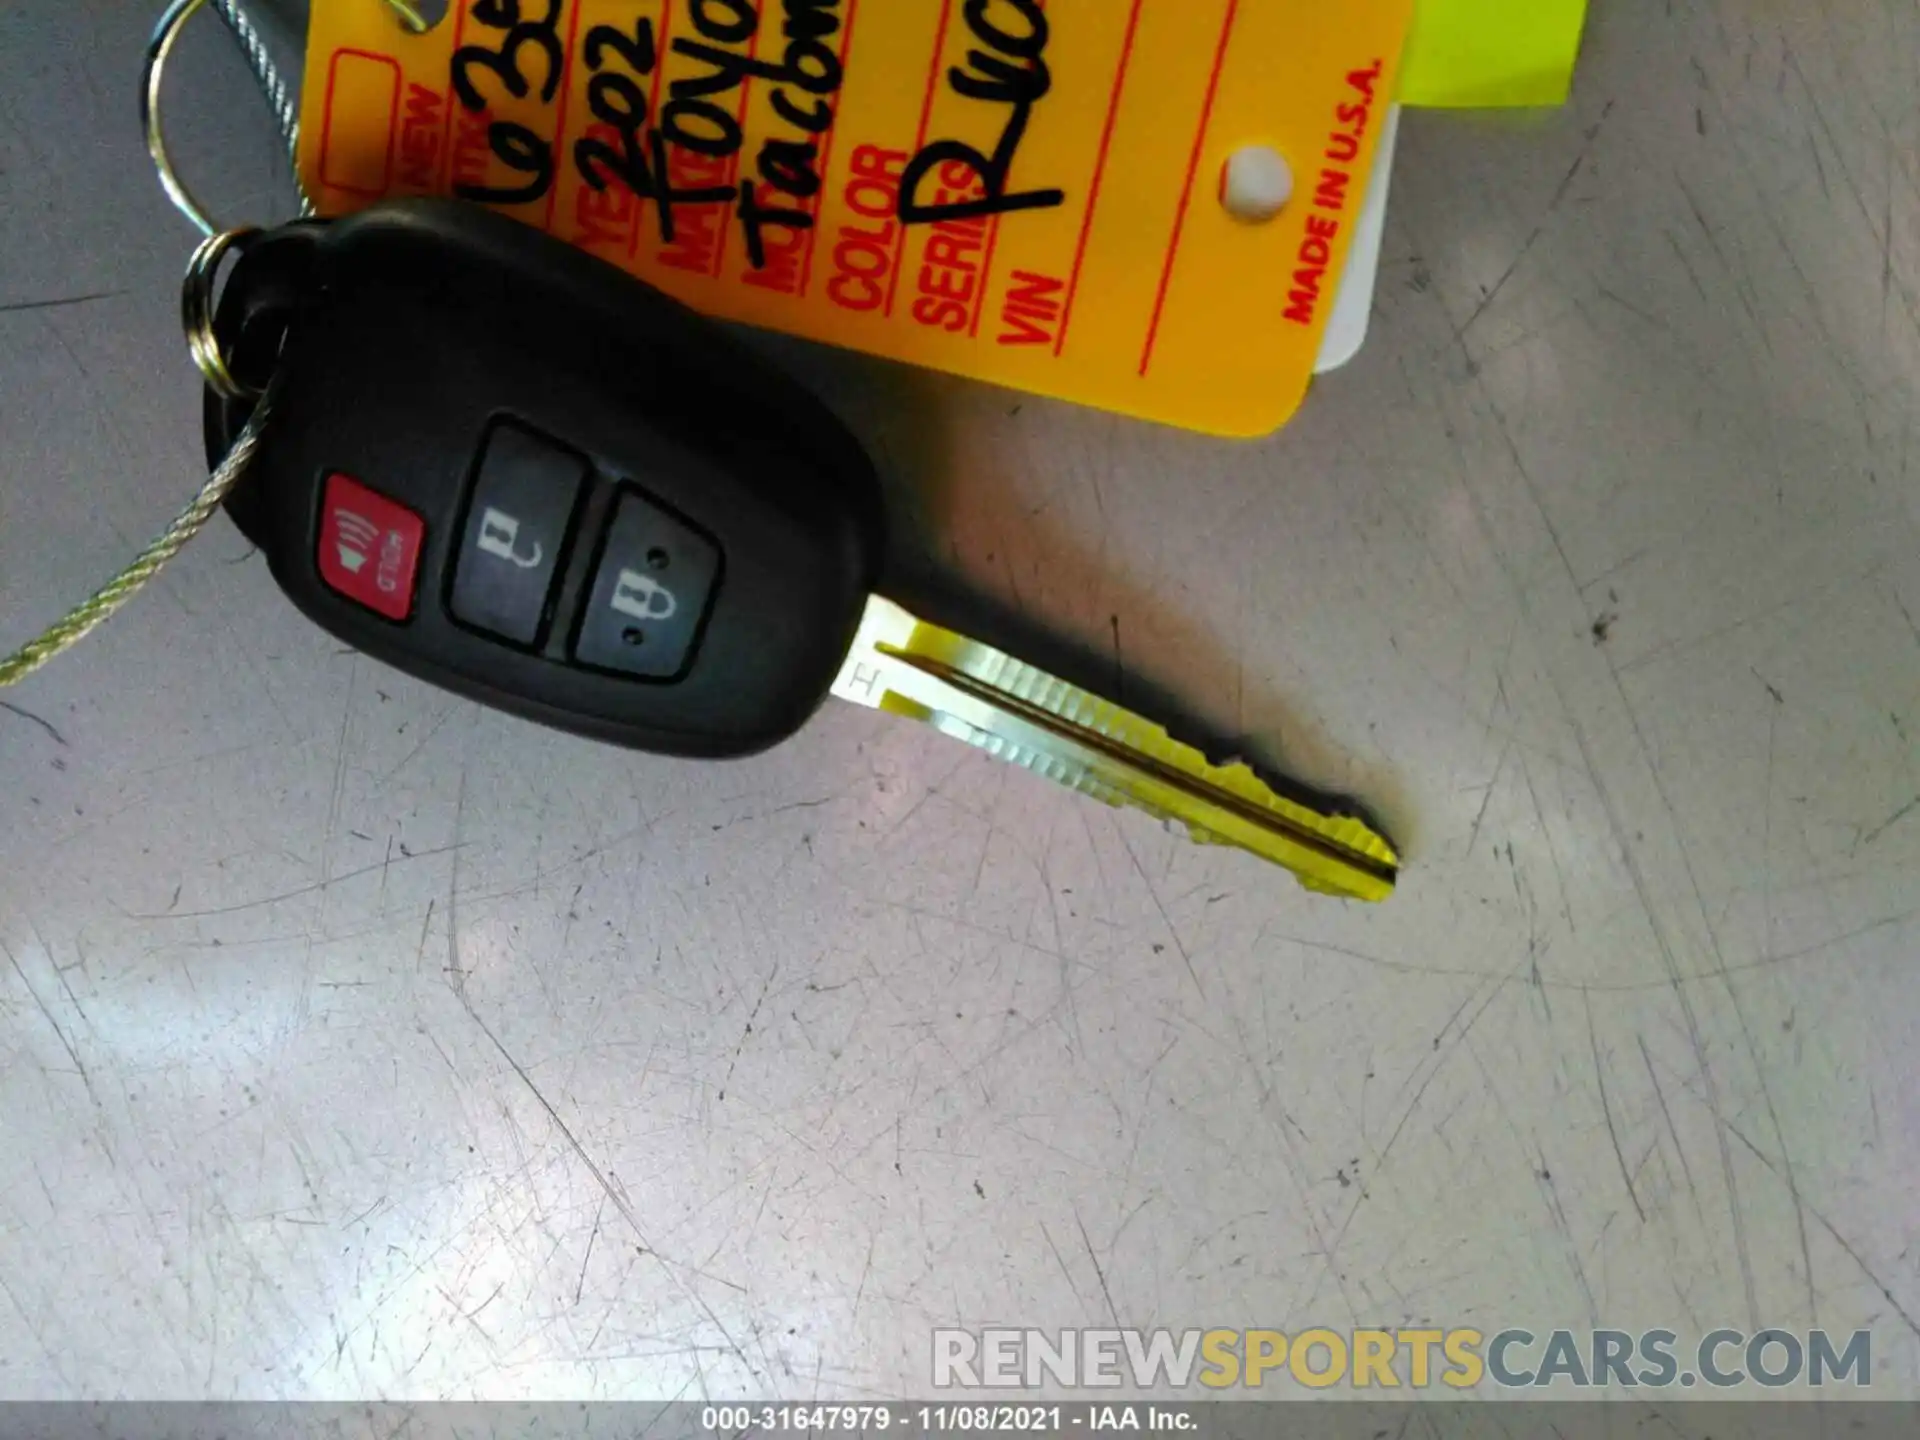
1008,708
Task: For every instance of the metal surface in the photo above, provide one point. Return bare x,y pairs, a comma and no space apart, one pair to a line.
353,1041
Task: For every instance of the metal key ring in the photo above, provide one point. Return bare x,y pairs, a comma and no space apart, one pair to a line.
158,49
172,21
196,311
197,287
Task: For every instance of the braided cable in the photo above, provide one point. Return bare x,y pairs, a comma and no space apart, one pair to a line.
89,613
197,301
273,85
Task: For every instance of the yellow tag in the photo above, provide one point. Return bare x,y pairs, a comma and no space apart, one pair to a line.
1026,191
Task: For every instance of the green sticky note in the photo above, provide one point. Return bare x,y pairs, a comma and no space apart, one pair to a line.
1464,53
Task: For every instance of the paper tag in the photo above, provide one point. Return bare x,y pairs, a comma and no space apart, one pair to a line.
1026,191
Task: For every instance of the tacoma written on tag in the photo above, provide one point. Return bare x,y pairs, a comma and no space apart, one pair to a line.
1026,191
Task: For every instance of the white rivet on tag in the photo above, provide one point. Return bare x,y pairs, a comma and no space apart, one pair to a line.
1257,184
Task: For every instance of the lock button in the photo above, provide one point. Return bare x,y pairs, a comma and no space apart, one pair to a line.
518,518
650,592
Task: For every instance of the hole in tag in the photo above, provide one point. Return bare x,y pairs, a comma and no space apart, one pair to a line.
417,17
1256,184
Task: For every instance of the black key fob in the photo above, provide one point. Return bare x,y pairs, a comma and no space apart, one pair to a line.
517,472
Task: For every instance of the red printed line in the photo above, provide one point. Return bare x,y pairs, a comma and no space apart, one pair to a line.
733,161
986,278
453,100
566,84
1099,173
1186,191
920,139
826,154
653,112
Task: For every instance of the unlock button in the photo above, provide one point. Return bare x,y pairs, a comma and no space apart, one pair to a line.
649,594
517,522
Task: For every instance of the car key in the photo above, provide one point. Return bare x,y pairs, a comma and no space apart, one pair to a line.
517,472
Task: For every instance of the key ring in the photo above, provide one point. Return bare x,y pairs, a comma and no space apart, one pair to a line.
196,291
160,46
196,311
196,315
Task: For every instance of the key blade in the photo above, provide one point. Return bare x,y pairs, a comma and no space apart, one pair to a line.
904,665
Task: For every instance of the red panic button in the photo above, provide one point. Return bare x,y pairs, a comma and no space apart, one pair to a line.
369,547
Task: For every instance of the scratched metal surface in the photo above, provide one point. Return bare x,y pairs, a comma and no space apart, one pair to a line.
353,1041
